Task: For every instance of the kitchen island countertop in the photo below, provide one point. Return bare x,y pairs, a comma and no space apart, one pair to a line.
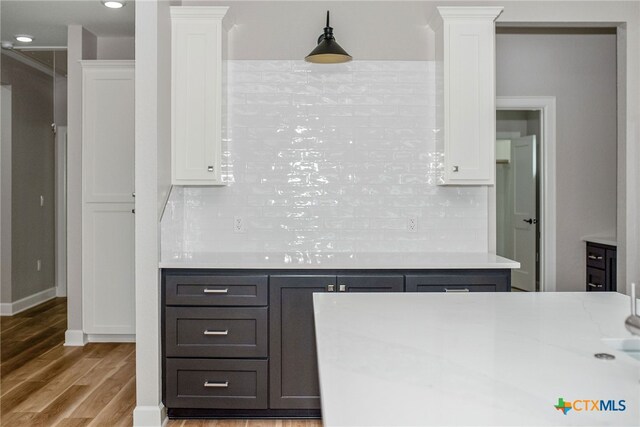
473,359
339,260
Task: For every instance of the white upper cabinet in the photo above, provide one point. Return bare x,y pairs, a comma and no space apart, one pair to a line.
196,98
465,57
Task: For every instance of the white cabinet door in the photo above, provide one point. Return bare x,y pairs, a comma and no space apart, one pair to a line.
108,126
108,139
196,103
108,264
465,49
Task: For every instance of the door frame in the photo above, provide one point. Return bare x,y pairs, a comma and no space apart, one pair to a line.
546,105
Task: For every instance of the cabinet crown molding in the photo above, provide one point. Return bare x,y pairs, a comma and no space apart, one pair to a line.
198,12
473,12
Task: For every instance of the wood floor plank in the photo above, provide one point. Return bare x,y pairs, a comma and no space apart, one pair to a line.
105,392
19,394
34,367
119,407
40,399
31,352
60,407
73,422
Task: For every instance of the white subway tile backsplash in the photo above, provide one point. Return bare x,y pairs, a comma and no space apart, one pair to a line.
327,158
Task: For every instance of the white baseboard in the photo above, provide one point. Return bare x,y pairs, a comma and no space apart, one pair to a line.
111,338
61,291
150,416
11,308
74,338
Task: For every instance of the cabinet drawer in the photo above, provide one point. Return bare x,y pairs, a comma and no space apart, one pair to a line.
458,282
216,290
596,257
216,332
455,288
216,383
596,280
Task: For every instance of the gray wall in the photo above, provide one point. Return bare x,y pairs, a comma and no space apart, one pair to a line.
580,71
116,48
33,229
373,30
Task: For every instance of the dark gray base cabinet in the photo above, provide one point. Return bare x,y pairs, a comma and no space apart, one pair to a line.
241,343
293,381
601,268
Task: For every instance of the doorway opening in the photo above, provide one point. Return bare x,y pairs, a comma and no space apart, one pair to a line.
525,190
518,194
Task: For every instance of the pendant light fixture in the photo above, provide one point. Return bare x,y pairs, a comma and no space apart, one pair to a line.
328,50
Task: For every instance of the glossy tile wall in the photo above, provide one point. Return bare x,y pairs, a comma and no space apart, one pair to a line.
331,158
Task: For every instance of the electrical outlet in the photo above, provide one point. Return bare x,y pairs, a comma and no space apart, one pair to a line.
412,224
38,265
238,225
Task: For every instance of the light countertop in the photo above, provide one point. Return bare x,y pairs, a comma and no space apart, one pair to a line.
472,359
340,260
602,239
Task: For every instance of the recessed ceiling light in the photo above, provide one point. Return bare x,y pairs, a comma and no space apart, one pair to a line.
113,4
24,38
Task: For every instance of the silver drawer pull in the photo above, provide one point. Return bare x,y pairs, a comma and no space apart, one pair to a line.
456,290
208,332
217,385
594,257
594,286
216,291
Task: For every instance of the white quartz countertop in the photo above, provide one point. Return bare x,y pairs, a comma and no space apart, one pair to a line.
339,260
435,359
602,239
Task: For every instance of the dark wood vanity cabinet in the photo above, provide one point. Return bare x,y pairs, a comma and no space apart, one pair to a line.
241,343
601,268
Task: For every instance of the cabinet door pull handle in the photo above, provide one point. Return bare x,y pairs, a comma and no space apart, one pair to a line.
216,291
208,332
342,288
210,168
594,286
217,385
456,290
456,168
331,288
594,257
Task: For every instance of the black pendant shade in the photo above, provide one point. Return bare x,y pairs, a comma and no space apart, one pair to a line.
328,50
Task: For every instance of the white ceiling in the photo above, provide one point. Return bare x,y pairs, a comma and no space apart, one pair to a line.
47,20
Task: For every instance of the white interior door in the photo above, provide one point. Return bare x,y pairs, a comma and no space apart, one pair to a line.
524,221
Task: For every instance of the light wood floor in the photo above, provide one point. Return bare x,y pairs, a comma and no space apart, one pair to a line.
43,383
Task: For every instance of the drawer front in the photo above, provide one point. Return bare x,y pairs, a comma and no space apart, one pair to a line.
453,282
596,257
371,283
216,383
596,280
216,290
216,332
455,288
